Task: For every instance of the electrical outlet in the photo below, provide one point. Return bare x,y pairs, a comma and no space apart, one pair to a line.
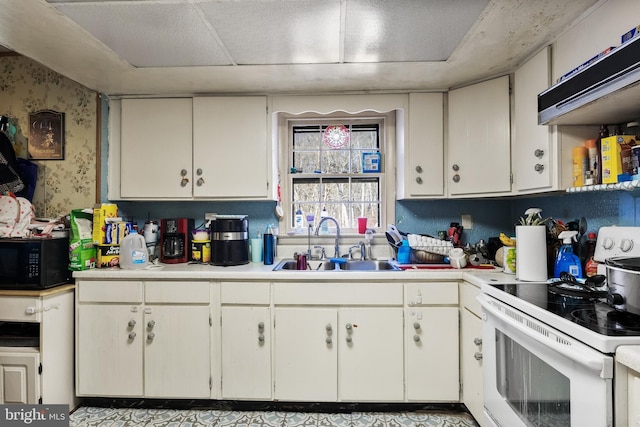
467,221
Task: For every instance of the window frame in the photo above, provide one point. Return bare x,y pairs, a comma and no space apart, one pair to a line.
387,136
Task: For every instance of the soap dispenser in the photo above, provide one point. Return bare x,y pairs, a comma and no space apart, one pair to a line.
567,261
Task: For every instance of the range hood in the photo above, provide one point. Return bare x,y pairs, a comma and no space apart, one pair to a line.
605,92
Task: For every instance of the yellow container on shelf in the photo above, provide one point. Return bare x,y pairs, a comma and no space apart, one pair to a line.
580,165
201,251
616,156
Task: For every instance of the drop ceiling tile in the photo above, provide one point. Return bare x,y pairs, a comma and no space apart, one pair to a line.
150,34
277,32
407,31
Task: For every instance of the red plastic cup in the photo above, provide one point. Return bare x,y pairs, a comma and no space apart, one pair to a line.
362,225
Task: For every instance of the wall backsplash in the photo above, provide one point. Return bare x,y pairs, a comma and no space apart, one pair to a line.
25,87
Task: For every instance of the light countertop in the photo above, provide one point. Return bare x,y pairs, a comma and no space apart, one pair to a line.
259,271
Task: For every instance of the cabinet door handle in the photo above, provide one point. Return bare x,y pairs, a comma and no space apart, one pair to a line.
328,340
419,169
261,339
261,326
183,172
348,326
477,356
131,323
538,153
455,168
477,341
199,171
538,167
328,327
348,339
456,178
151,324
184,182
416,338
132,335
151,336
419,180
200,182
416,325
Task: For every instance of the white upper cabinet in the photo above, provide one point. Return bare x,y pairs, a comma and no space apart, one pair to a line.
230,150
421,157
155,149
190,148
479,140
534,159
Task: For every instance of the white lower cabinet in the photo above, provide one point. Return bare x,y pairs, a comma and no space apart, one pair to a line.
431,342
471,351
348,354
148,339
245,343
19,377
349,341
110,343
338,342
306,355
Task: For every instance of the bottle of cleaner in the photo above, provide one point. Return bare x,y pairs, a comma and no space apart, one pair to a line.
324,228
567,261
298,222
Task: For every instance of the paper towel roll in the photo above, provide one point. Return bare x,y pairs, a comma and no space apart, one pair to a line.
531,247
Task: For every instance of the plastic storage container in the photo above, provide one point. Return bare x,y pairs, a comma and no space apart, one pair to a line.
133,252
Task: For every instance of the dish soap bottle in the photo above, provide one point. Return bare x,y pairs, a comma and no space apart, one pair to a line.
298,222
567,261
324,228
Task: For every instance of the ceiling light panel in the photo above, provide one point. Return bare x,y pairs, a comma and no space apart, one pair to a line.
277,32
150,34
407,30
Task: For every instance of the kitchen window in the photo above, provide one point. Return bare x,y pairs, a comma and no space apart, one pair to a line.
337,164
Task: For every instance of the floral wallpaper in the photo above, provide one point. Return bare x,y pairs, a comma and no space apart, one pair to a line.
26,87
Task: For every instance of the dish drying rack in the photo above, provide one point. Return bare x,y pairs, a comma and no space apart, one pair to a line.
427,249
419,242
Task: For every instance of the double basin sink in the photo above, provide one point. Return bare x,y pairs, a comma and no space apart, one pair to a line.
346,265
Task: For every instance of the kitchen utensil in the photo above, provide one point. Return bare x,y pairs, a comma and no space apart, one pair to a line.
392,240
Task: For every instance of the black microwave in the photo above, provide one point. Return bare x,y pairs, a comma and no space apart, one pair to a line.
36,263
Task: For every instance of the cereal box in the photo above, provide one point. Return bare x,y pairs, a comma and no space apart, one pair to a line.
108,256
100,215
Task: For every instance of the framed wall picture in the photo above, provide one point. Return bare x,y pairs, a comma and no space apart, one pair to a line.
46,135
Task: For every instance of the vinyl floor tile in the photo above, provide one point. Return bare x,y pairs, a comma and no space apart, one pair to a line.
89,416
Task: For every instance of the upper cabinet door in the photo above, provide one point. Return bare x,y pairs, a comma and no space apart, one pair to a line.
230,150
155,155
534,161
421,164
479,139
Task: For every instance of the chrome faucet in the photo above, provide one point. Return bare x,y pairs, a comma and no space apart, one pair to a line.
337,242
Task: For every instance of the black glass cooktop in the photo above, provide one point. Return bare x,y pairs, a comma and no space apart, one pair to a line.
588,309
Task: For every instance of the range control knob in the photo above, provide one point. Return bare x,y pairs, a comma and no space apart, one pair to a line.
608,243
626,245
615,299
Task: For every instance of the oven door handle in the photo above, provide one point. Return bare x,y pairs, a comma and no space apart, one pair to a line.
591,363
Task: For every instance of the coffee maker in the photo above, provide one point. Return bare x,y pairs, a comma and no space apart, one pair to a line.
175,240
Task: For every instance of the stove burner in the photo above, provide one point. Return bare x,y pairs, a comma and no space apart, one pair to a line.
625,319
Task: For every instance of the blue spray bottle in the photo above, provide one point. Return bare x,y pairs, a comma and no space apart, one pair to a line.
567,261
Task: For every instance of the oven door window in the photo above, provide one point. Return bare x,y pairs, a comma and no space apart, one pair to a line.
538,393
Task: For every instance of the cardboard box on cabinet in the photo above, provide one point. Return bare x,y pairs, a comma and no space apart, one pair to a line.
616,157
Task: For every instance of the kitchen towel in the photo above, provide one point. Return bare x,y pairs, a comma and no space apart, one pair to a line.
531,253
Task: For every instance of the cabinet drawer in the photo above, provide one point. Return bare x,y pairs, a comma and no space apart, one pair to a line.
468,294
109,291
245,293
337,294
433,293
177,292
15,309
